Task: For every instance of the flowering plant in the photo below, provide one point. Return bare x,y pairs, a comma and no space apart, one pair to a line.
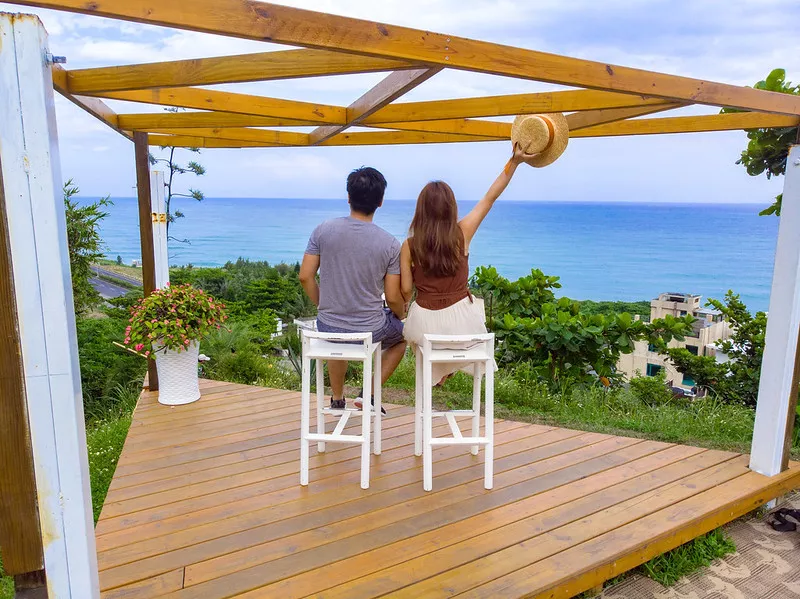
172,318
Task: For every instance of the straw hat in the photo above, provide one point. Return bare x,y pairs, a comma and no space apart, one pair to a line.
545,135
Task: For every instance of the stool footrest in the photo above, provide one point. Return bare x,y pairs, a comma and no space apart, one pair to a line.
328,438
460,441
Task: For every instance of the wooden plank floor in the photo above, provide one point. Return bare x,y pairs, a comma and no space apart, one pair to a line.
206,504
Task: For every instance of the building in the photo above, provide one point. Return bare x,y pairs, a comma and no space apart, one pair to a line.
708,329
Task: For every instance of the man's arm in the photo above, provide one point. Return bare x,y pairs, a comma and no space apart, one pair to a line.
394,297
308,277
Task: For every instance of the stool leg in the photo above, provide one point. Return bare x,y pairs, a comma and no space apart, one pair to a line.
418,401
427,426
366,419
305,408
476,404
320,400
377,390
488,474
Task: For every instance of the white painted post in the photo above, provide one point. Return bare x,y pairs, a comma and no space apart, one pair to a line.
777,383
31,176
160,250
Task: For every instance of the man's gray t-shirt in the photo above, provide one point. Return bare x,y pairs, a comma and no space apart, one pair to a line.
355,256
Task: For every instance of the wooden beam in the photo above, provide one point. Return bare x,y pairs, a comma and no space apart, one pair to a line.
204,99
193,120
142,157
590,118
20,535
188,141
380,138
508,105
297,27
472,127
386,92
281,138
690,124
97,108
263,66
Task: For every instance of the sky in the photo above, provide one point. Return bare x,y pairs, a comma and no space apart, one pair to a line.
731,41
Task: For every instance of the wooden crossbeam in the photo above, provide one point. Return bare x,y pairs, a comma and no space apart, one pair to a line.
177,120
188,141
204,99
690,124
287,25
380,138
388,90
263,66
97,108
507,105
282,138
590,118
455,126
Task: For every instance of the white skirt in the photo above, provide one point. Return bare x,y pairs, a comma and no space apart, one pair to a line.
465,317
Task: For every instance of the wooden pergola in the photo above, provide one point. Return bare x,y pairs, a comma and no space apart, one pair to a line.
603,100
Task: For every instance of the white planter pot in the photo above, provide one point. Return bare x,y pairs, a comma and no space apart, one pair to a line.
177,375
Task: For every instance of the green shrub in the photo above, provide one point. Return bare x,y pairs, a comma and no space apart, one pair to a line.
106,368
651,390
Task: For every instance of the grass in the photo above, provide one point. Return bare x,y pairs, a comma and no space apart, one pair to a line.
668,568
6,583
104,441
706,422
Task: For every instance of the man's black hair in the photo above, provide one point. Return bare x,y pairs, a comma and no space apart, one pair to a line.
365,188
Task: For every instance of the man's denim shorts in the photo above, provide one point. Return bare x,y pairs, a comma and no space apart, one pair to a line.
390,334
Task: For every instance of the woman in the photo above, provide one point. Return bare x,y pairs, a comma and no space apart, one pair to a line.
435,260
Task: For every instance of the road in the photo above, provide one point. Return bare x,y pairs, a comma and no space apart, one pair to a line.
106,289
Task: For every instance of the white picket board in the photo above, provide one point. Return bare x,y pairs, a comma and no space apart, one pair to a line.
158,203
777,368
38,241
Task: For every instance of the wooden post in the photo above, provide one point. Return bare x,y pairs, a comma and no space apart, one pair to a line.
142,155
39,283
20,536
777,390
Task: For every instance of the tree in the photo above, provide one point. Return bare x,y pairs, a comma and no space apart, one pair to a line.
768,149
85,245
174,169
564,344
737,379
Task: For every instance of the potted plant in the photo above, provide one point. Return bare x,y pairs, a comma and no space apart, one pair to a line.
169,324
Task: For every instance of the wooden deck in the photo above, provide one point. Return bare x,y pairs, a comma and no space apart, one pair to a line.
206,504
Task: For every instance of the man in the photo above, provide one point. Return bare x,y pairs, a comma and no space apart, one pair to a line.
357,262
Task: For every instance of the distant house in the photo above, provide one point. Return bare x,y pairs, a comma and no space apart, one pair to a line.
708,329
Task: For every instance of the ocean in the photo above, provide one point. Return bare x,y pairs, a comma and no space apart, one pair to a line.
601,251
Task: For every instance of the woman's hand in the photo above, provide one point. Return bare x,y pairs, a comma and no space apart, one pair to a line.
519,155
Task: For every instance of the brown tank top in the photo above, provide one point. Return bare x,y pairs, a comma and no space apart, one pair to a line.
438,293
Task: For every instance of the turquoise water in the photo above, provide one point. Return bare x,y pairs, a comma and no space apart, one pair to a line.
601,251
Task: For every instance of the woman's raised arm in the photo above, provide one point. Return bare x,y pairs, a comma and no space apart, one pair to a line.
471,222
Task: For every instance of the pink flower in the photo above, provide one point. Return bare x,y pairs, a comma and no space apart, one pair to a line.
146,354
139,346
186,342
127,340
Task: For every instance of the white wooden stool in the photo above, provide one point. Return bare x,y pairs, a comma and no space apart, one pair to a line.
351,347
479,350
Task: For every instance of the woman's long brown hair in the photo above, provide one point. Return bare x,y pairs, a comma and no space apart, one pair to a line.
435,239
